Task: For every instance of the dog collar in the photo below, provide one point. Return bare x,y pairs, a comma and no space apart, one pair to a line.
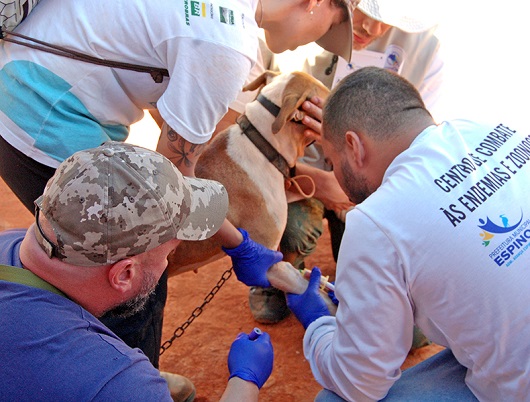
267,104
273,108
265,147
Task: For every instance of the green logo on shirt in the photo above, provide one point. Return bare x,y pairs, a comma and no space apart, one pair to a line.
227,16
187,12
198,9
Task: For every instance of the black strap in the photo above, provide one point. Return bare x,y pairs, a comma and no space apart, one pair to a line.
25,277
267,104
157,74
265,147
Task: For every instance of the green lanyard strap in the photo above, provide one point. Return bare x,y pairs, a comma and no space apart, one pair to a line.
25,277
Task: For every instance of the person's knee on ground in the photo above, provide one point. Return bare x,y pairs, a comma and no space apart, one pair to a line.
303,229
181,388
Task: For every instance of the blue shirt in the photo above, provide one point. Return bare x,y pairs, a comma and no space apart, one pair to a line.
53,349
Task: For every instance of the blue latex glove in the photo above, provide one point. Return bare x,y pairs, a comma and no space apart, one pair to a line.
252,260
309,306
331,294
251,360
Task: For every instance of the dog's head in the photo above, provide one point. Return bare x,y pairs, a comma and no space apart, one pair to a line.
288,92
297,88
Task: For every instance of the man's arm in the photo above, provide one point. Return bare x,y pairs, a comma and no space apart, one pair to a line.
368,340
178,150
327,188
155,114
240,390
228,119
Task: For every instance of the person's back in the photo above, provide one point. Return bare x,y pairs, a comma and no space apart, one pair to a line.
449,229
78,105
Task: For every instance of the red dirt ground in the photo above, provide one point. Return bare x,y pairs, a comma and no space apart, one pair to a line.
200,353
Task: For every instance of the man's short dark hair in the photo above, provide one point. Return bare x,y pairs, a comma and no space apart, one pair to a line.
372,101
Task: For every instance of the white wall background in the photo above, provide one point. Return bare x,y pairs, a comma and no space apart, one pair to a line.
487,61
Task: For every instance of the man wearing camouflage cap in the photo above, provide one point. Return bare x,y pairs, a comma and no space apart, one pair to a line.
104,226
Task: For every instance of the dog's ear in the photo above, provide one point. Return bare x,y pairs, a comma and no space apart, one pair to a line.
264,79
297,90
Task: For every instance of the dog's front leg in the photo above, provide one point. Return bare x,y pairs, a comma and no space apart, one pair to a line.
284,276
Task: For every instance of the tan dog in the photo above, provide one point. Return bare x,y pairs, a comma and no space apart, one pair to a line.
255,186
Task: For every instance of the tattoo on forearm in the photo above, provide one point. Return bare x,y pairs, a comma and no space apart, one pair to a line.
177,145
172,134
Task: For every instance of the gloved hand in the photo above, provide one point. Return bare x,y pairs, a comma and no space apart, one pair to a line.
331,295
252,260
251,360
308,306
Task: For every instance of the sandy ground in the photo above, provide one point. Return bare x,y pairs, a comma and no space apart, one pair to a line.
200,353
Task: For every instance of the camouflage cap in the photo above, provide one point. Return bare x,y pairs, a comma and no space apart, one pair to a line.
121,200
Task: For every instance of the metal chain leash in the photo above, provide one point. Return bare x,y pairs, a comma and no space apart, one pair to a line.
179,331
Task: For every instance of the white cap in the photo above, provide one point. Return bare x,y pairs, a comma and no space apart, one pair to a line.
408,15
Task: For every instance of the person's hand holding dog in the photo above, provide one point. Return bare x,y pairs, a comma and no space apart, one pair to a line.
313,118
251,261
309,306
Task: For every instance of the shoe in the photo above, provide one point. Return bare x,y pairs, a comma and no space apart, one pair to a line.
180,388
268,305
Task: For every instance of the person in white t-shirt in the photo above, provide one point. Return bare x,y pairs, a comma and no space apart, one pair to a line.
52,106
439,238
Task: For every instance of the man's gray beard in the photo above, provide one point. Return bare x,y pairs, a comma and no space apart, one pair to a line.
137,303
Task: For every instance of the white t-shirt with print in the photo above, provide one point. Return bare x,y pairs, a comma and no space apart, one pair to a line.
444,243
53,106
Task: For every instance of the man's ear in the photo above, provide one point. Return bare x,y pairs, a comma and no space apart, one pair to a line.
355,147
121,275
